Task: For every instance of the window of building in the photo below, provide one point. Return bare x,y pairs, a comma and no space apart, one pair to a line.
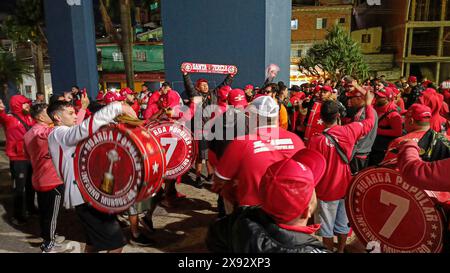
294,24
342,20
366,38
28,89
113,85
421,70
425,41
427,10
447,11
446,43
321,23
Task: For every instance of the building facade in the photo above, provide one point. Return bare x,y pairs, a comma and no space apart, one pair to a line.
310,23
417,32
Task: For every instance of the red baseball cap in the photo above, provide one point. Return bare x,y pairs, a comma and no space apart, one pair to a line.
385,92
412,79
119,97
395,91
110,97
327,88
249,86
317,88
126,91
287,186
297,97
199,81
418,112
236,97
223,92
100,96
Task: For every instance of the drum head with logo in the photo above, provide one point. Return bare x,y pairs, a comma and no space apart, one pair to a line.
111,167
384,208
179,146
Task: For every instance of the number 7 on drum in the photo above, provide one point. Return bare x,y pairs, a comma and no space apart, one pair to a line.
172,142
400,211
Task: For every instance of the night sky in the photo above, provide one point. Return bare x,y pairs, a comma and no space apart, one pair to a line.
7,5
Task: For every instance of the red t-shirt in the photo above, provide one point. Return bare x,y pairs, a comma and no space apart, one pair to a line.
392,124
247,158
337,177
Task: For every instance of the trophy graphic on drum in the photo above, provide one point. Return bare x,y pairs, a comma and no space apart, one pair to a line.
107,185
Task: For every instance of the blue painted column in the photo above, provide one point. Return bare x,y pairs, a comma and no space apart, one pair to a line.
72,48
250,34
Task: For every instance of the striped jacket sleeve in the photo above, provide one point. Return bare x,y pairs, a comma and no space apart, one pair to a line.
70,136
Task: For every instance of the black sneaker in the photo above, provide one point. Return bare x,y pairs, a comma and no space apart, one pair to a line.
148,224
18,221
209,180
141,240
198,183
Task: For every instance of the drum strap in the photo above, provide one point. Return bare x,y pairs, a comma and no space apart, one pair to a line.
338,147
26,126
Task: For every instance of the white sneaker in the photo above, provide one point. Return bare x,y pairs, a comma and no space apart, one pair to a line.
57,248
59,239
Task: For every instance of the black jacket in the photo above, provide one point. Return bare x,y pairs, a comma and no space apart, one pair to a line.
251,230
413,96
211,97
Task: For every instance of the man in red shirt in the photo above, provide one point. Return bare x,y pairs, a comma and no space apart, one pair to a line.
389,124
336,144
46,182
434,146
247,158
163,102
130,98
16,125
417,123
431,176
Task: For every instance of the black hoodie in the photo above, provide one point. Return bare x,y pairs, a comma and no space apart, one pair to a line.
251,230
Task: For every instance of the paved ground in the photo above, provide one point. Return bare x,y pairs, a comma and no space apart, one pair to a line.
181,229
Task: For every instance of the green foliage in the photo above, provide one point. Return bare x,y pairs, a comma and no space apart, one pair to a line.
338,55
12,69
27,23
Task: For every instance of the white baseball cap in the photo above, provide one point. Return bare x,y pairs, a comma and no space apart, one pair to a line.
265,106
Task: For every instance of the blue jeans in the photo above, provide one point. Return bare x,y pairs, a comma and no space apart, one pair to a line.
333,218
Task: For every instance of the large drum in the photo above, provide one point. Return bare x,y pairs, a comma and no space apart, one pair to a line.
314,124
118,166
384,208
179,145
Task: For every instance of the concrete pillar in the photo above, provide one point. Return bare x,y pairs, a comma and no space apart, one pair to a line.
250,34
71,36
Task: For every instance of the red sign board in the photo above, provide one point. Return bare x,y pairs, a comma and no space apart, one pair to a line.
209,68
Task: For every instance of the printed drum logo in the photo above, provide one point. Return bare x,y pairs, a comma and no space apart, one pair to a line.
110,170
179,145
382,207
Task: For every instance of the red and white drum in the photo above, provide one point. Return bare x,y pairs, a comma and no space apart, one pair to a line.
384,208
178,143
315,124
117,166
